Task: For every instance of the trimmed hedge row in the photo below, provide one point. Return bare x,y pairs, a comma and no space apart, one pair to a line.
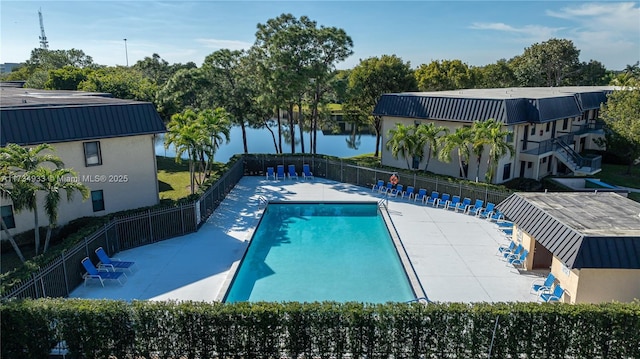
101,328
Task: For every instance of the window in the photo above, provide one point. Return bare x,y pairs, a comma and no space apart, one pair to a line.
7,216
548,126
533,130
529,164
92,156
97,199
416,162
509,137
565,123
544,160
506,172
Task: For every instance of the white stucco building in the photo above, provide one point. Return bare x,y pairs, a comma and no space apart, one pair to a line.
108,142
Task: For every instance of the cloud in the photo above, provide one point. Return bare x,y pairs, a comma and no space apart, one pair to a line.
615,17
532,32
224,44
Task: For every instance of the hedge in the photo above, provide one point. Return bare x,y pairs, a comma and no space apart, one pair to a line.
144,329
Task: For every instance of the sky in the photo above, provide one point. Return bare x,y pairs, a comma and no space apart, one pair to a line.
476,32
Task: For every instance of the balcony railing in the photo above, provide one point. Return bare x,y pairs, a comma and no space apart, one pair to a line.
547,145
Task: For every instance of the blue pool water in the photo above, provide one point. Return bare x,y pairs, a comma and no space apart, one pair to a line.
313,252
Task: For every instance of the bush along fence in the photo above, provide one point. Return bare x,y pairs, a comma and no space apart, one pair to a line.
116,329
60,276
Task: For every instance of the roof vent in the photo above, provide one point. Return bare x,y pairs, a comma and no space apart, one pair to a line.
24,100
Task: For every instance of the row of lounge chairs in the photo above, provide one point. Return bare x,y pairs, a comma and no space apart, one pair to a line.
514,254
445,201
279,173
106,269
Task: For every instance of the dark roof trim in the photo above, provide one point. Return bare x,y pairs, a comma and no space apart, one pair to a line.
31,126
574,249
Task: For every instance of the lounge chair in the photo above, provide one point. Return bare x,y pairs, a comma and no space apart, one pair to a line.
487,211
102,275
515,253
473,210
554,296
306,172
421,195
505,224
409,192
452,203
387,188
506,249
539,286
394,192
270,173
462,206
517,260
496,216
433,198
292,172
280,172
112,263
443,200
377,186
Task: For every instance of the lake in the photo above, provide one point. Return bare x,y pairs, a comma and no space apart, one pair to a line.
260,141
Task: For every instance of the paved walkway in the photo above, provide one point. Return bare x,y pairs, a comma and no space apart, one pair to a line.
453,254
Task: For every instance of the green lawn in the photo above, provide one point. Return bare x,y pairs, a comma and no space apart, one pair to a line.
173,178
617,175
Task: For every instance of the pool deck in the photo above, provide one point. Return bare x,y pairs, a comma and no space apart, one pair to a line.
453,254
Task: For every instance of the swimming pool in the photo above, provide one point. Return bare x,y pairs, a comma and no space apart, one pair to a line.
321,251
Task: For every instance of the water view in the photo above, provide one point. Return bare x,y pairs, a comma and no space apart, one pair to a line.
260,141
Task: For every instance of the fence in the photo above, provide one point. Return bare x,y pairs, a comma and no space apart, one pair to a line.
345,172
62,275
59,277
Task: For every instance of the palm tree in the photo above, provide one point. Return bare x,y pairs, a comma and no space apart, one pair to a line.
402,141
480,135
22,162
52,182
496,139
6,192
183,133
429,135
216,126
461,139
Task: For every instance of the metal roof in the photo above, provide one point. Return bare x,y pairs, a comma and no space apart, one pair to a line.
29,118
584,230
507,105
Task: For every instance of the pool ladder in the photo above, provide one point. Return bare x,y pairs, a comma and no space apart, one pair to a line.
262,201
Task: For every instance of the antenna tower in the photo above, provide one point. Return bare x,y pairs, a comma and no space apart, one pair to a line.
44,44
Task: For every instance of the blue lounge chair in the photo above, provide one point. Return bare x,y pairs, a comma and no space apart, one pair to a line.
102,275
514,253
505,224
292,172
462,206
421,195
306,172
443,200
280,173
270,173
409,192
387,188
473,210
506,249
433,198
487,211
394,192
554,296
452,203
377,186
112,263
496,216
517,260
538,286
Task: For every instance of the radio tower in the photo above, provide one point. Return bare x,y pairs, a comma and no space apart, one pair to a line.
44,44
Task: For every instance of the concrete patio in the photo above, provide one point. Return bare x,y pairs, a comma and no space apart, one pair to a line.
453,254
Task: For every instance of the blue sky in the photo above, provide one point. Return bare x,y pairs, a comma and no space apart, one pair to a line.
476,32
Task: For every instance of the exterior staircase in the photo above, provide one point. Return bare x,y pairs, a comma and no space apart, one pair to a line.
578,164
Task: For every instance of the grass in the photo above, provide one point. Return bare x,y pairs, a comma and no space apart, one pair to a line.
617,175
173,178
367,159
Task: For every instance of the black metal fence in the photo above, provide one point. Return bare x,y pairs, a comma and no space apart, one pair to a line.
62,275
